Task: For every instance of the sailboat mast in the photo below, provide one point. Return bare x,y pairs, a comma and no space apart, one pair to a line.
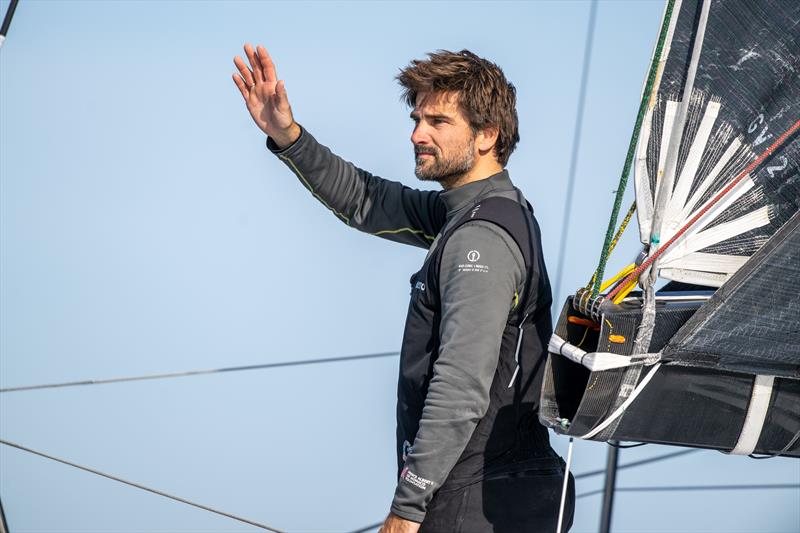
608,488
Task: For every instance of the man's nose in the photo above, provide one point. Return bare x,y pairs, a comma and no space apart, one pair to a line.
420,135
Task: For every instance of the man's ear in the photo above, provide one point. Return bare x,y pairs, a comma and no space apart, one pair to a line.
487,138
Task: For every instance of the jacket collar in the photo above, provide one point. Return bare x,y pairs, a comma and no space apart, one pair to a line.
458,198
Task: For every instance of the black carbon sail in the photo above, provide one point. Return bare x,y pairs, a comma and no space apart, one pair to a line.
717,174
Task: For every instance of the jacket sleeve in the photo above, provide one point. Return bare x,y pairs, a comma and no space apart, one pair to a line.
476,298
368,203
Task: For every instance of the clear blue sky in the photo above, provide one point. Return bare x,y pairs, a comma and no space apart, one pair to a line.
144,228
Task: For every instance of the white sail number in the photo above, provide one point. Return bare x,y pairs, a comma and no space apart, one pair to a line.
782,161
754,126
771,170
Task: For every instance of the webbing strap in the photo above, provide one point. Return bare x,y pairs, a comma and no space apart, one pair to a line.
756,415
515,218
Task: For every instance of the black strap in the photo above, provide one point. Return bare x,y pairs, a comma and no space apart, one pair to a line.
516,219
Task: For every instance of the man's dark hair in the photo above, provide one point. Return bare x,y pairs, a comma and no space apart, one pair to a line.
485,96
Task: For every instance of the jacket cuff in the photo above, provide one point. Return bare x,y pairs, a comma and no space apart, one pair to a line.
297,144
412,496
405,514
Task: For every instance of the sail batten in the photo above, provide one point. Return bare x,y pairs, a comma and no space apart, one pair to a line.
743,93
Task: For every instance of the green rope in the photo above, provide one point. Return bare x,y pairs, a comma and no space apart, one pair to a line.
616,238
623,181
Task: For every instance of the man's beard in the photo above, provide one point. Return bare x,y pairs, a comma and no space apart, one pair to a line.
444,170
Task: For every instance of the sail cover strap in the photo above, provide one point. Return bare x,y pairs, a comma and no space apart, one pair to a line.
756,414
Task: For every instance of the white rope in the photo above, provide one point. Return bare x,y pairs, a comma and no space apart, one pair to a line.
564,487
621,409
756,415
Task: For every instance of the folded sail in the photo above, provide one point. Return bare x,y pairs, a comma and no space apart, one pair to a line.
745,94
721,369
752,323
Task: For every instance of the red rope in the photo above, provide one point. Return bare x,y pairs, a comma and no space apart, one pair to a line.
760,159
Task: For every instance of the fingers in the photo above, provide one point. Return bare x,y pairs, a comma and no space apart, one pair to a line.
283,98
237,79
260,69
255,64
267,66
244,72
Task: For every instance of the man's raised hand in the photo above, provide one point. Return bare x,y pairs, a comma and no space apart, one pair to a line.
265,96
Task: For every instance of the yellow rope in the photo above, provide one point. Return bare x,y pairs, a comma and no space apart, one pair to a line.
624,292
621,274
622,227
583,339
614,241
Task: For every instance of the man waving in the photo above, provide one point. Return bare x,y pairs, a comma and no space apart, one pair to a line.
472,456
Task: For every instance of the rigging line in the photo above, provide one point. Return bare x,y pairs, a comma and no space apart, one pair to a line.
647,95
591,473
576,143
640,462
626,446
779,452
622,227
701,212
7,21
370,527
3,523
142,487
678,488
200,372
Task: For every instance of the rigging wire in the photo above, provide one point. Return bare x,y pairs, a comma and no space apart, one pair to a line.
591,473
3,523
625,446
142,487
200,372
779,452
675,488
640,462
576,143
7,20
565,486
368,528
